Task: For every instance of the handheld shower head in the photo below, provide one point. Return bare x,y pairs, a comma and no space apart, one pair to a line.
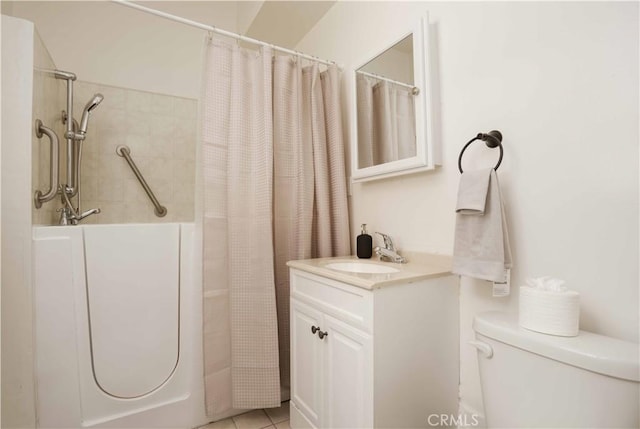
88,108
93,103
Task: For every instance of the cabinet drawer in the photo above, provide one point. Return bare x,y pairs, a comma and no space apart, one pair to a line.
348,303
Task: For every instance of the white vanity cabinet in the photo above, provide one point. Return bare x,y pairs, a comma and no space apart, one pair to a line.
382,354
331,375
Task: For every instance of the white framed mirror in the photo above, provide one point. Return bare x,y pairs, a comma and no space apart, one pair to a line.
391,105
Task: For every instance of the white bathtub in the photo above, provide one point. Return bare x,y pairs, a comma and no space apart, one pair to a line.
118,326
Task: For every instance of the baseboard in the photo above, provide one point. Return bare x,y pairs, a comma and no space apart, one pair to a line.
297,420
471,417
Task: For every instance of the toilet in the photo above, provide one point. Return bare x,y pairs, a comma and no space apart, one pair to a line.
531,380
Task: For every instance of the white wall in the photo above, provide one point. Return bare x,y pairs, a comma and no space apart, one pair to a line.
110,44
107,43
560,80
246,13
392,64
18,406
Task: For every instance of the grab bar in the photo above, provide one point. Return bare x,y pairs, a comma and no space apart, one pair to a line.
39,198
125,152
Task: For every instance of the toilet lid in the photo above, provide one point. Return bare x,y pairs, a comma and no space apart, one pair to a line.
597,353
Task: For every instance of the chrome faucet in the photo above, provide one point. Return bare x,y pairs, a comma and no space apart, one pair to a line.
388,253
68,215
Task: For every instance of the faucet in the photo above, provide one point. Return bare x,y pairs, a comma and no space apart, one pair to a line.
68,215
388,253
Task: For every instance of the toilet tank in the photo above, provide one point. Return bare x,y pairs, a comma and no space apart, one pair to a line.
536,380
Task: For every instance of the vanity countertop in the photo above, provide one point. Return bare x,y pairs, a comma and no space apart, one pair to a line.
420,266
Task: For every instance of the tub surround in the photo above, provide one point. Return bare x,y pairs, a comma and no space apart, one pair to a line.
419,266
160,131
48,101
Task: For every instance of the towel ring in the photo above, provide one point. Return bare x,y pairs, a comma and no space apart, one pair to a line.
492,139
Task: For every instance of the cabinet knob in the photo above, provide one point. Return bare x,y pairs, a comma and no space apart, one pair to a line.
314,329
322,334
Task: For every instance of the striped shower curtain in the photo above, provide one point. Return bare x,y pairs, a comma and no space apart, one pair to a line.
274,189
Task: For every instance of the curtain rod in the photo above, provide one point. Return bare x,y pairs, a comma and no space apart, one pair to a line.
219,31
414,89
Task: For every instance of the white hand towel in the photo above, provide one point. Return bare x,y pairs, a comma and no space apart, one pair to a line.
481,248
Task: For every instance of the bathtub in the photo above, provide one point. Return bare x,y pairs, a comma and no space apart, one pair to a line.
118,322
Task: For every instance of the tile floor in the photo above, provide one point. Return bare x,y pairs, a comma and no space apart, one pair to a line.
270,418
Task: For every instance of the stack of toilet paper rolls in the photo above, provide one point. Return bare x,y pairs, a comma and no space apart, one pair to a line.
548,307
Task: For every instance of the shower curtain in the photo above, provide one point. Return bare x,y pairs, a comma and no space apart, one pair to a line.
386,122
274,190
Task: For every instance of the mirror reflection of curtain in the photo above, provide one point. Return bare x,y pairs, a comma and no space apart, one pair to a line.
386,122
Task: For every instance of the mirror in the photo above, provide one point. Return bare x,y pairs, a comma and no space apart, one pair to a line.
392,130
385,96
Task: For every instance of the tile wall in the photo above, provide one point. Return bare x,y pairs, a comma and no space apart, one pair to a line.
160,131
48,102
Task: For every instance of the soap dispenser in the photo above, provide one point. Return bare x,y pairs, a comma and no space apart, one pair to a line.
364,244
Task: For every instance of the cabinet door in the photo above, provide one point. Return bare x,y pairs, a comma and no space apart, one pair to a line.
306,361
348,376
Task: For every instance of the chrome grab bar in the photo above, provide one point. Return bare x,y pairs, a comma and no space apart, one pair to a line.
125,152
39,198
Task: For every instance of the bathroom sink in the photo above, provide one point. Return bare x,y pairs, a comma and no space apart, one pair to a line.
361,267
